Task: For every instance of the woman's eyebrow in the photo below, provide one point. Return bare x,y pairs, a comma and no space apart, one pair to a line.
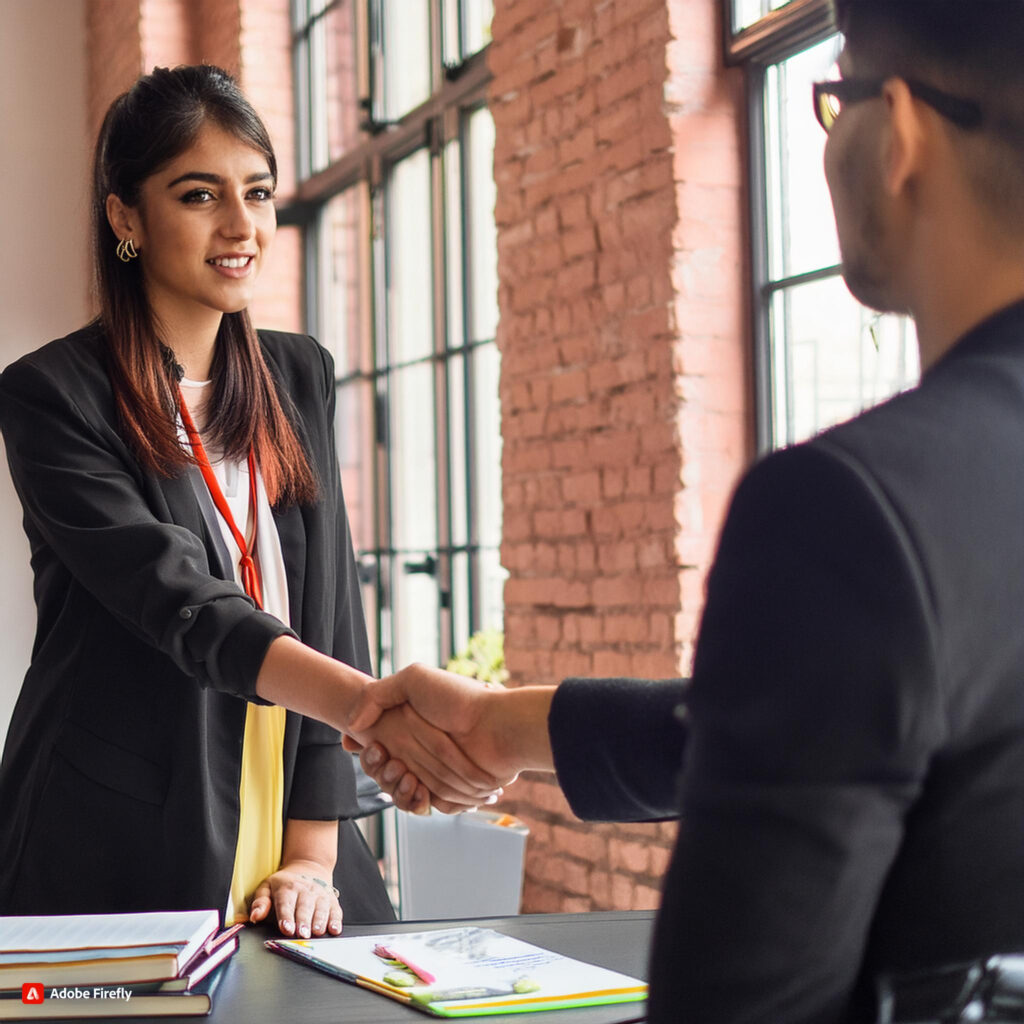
216,179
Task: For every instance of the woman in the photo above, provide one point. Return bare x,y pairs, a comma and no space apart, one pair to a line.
194,575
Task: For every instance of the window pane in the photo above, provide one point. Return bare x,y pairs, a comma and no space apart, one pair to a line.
476,25
461,625
457,454
343,314
369,570
341,93
404,74
801,228
746,12
354,433
454,250
410,295
486,438
467,28
413,470
414,613
353,426
482,257
316,68
825,364
490,589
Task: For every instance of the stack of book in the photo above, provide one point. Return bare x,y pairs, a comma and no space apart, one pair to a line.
112,965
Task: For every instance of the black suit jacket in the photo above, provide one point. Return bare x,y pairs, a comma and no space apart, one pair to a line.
853,794
119,781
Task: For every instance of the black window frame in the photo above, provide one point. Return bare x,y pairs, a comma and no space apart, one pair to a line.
458,90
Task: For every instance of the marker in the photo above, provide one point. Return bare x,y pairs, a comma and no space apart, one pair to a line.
393,954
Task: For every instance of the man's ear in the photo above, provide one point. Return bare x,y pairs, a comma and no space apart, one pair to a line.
906,144
124,220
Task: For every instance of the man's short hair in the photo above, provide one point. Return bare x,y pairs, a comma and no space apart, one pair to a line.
973,49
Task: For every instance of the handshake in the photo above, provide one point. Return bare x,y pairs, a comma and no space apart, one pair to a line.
432,738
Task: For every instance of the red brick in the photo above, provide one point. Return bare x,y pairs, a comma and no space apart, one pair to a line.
576,904
630,856
578,243
617,558
611,664
646,898
655,665
566,664
582,488
601,889
661,857
541,900
622,893
613,483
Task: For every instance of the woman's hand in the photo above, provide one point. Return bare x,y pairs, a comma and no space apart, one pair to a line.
304,900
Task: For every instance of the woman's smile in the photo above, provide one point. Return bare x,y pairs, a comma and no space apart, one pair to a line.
234,265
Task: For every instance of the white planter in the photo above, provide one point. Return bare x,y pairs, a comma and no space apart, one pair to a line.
461,865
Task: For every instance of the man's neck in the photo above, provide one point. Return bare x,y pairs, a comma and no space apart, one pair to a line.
964,275
946,315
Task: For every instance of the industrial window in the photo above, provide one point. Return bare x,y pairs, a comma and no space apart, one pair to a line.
820,356
396,200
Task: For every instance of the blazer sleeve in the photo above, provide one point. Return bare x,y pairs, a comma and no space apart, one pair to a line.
82,493
324,785
814,711
618,747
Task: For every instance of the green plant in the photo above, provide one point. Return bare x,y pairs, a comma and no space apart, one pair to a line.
483,658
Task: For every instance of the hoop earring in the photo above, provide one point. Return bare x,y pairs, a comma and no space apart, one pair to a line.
126,251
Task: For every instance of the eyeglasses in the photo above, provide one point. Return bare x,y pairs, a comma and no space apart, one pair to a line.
829,98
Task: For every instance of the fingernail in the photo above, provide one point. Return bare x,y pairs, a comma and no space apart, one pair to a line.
373,757
304,931
406,786
390,773
492,799
287,926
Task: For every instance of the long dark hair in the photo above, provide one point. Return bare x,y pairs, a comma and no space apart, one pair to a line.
151,124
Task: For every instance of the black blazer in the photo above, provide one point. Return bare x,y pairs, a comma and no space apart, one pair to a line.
853,795
119,780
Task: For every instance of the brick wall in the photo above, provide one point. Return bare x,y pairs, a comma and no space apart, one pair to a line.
624,381
250,39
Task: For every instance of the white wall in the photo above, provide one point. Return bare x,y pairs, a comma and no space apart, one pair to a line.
44,168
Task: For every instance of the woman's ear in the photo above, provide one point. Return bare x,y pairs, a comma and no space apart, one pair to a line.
124,220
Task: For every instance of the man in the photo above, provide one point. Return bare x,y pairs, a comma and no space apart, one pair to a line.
853,794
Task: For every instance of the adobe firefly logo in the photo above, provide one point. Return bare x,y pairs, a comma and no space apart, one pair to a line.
32,992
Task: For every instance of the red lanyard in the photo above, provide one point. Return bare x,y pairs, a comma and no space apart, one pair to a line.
250,574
